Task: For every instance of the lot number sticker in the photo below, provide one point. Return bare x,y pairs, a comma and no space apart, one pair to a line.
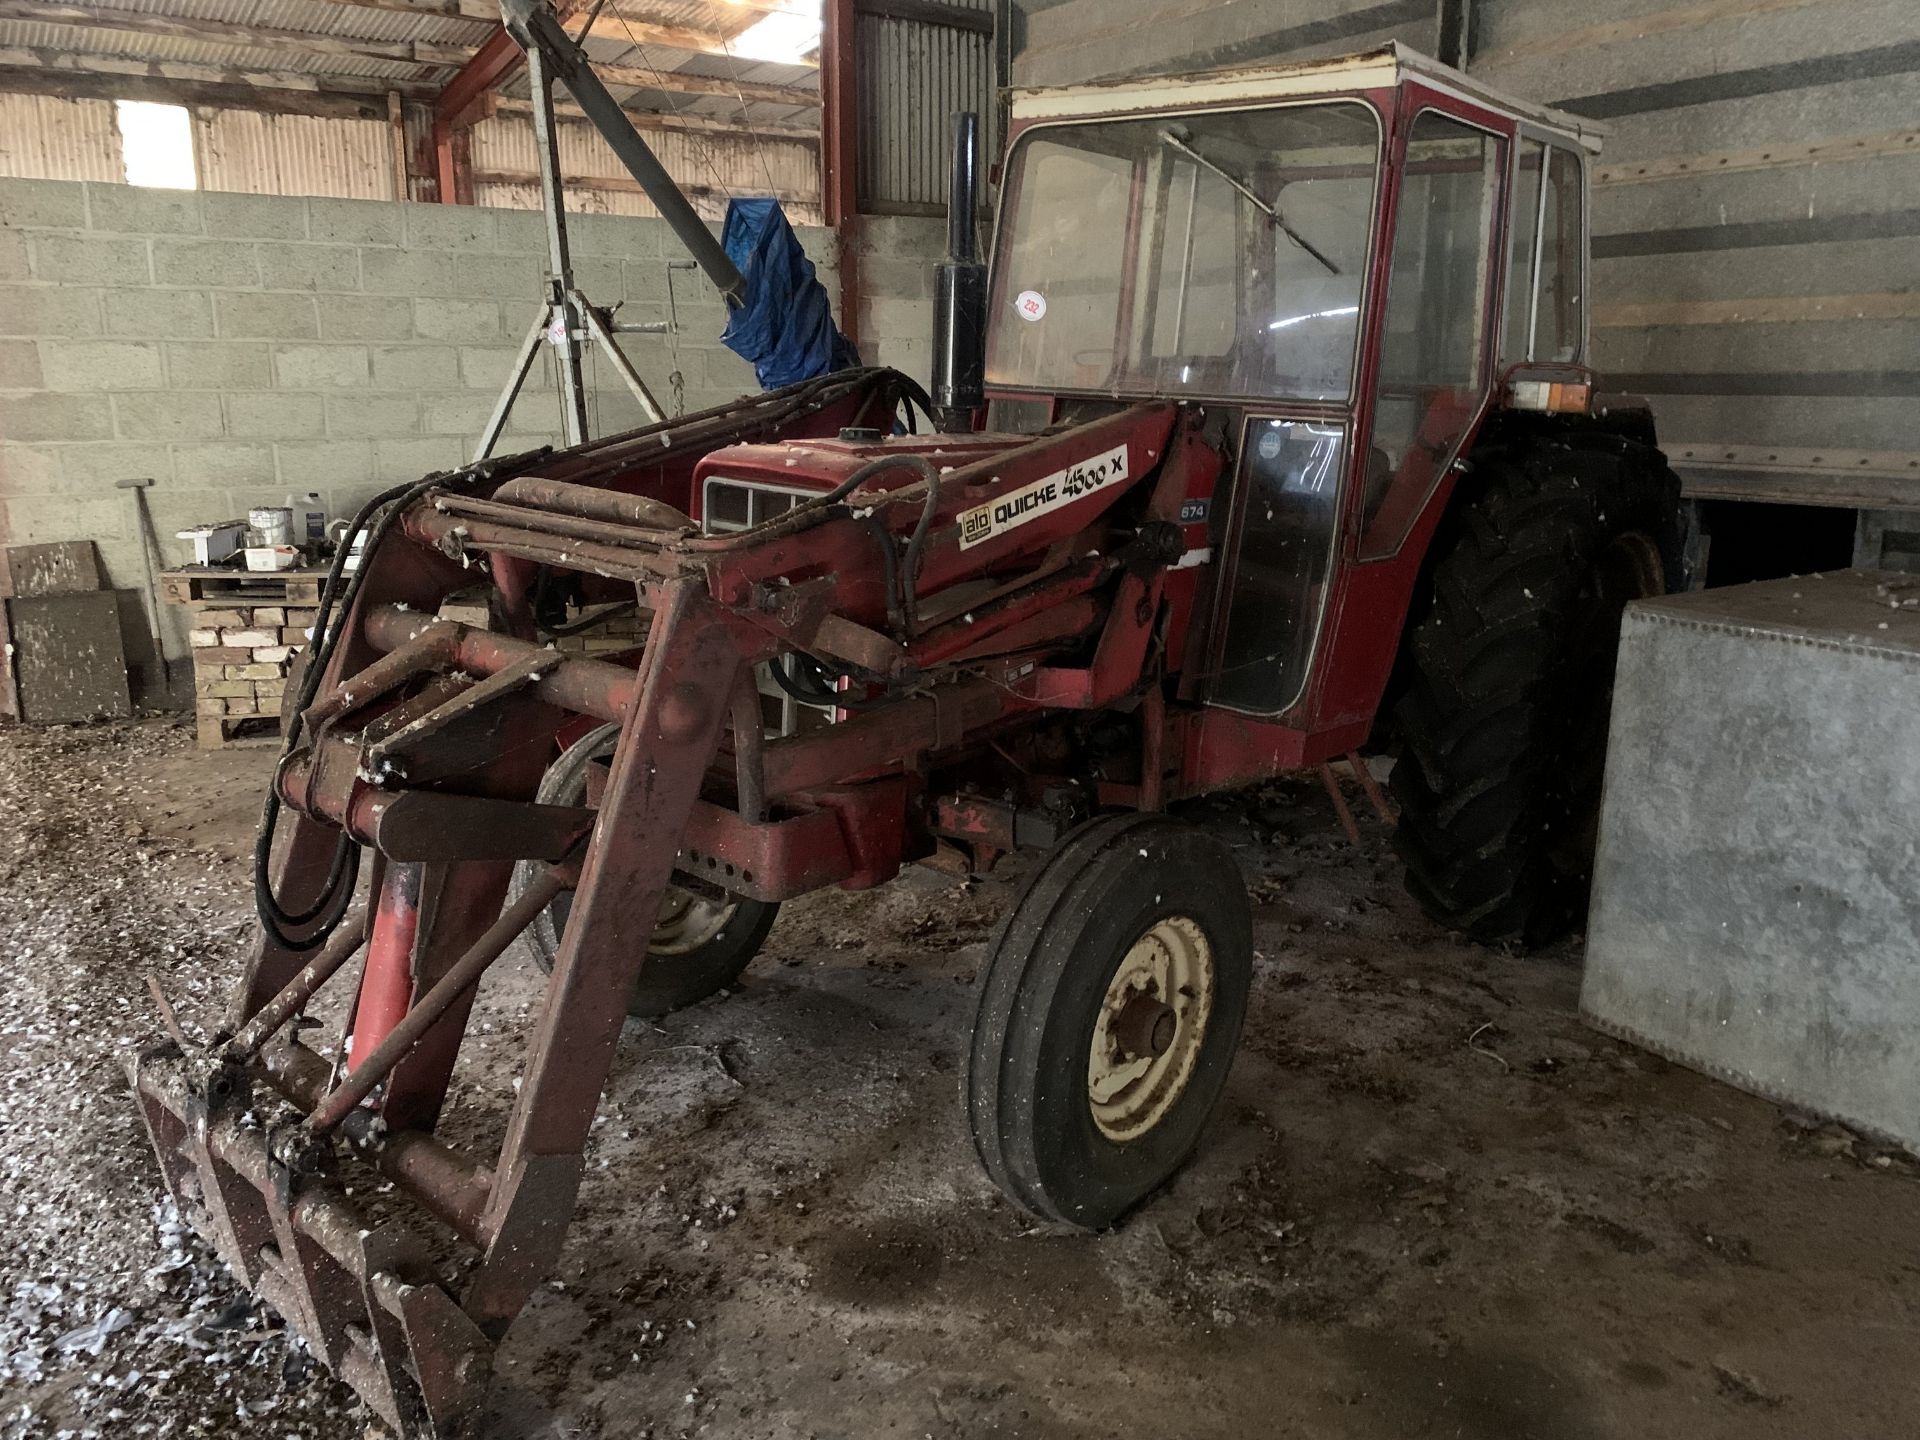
1030,305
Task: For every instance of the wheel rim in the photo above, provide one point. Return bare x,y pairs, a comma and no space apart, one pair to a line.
1152,1023
688,921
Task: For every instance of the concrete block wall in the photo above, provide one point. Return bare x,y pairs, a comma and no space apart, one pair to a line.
238,347
897,254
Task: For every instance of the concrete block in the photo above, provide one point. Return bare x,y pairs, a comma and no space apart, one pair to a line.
20,366
142,209
91,260
44,310
203,639
407,272
512,278
322,464
247,637
217,619
617,236
366,317
266,316
168,415
55,417
101,364
462,412
209,705
601,280
159,314
310,267
269,693
415,367
90,469
275,415
273,615
456,320
485,369
212,264
29,470
302,618
883,319
294,636
31,518
368,417
43,204
353,222
213,464
242,706
396,461
219,365
896,278
224,689
319,367
520,231
645,282
13,255
448,227
275,655
254,217
252,671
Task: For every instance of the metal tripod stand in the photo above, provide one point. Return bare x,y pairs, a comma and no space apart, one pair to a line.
567,318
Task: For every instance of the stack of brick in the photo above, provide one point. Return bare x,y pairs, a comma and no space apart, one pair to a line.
240,660
617,632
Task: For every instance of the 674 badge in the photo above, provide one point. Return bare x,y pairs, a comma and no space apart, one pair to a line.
1037,497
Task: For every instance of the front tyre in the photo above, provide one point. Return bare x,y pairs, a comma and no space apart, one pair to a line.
1510,664
703,938
1109,1013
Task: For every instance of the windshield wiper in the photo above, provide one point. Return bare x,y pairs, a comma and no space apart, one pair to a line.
1175,141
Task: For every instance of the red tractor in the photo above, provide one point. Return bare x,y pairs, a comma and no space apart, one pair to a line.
1288,448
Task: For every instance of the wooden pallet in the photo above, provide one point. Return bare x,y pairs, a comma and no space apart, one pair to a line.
211,587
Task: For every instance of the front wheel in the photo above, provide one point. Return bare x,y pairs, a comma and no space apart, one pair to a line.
703,938
1109,1013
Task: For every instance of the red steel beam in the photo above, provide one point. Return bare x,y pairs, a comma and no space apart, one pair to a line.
839,127
496,59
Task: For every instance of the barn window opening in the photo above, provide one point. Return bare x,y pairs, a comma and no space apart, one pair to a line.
157,141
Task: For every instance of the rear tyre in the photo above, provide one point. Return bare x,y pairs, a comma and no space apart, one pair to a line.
1510,662
704,937
1109,1013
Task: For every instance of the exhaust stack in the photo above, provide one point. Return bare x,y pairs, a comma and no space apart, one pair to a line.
960,293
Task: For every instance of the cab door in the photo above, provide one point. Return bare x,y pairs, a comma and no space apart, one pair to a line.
1437,325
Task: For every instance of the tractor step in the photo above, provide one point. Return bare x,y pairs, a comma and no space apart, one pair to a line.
361,1291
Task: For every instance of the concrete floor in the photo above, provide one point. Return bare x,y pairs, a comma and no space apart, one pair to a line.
1432,1203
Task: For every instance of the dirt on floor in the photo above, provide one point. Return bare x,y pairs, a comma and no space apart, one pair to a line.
1432,1202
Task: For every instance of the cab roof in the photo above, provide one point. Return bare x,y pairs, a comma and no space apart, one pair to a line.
1366,70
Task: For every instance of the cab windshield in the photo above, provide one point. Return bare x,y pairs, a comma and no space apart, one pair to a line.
1219,253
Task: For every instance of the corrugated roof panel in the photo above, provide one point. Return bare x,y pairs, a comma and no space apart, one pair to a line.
34,34
319,17
44,137
262,154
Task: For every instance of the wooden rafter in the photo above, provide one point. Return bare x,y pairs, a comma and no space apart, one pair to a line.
681,84
659,120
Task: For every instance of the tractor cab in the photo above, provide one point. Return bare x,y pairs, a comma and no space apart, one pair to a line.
1348,264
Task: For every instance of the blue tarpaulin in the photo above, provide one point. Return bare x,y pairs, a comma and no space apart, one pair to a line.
785,329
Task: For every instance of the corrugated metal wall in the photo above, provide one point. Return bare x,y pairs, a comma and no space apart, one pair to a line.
1756,224
259,154
711,167
43,137
913,77
1067,42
